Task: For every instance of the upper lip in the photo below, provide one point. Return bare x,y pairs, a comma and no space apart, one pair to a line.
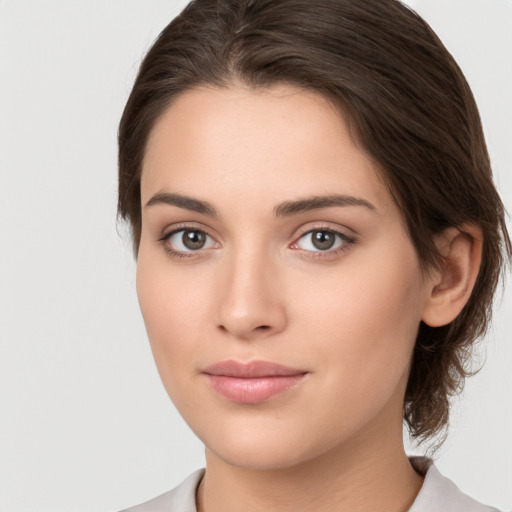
251,370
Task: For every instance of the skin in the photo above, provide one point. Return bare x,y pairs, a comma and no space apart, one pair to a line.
260,290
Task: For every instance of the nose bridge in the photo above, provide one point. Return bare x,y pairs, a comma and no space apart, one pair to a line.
251,304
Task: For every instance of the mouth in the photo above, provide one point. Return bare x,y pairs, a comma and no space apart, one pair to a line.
253,382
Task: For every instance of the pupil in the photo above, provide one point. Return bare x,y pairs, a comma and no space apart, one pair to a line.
323,240
193,240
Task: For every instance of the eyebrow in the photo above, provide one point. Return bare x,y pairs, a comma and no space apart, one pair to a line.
307,204
286,209
188,203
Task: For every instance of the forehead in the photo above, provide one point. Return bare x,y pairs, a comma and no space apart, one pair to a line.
272,141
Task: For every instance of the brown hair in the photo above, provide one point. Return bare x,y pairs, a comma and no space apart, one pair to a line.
409,106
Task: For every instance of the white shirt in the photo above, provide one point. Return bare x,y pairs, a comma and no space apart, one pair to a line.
437,494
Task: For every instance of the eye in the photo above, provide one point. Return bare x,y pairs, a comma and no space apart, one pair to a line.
188,240
322,240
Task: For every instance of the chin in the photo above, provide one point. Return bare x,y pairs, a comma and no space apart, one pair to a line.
265,449
259,458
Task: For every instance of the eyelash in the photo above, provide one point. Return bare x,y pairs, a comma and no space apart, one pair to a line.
181,254
347,241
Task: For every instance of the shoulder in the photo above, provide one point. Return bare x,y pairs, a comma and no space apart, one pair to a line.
441,494
179,499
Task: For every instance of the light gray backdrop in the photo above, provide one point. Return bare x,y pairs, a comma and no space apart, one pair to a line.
84,422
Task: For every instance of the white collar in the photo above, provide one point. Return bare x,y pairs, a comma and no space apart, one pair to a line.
437,494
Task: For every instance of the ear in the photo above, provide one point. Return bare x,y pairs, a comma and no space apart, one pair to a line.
451,285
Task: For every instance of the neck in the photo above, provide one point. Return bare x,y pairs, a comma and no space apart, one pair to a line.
372,474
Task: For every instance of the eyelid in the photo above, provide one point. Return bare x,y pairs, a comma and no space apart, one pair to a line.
181,226
347,240
343,231
172,230
339,234
207,244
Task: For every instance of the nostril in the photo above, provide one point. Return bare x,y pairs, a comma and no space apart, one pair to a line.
263,327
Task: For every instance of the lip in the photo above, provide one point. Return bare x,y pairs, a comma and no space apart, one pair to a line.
253,382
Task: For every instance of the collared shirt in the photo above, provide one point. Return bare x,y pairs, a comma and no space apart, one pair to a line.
437,494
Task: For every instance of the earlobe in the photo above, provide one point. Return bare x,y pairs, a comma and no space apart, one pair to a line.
452,284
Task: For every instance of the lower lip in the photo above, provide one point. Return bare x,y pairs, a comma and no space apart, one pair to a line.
253,390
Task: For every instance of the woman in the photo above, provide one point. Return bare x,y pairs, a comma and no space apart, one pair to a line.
318,242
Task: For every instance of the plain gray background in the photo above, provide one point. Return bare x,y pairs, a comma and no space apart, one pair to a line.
84,422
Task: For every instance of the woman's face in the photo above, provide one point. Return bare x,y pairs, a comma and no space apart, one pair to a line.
279,288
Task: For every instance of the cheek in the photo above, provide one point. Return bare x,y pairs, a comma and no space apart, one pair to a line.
172,298
170,305
174,306
365,325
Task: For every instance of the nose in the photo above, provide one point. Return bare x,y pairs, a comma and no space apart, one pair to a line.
251,303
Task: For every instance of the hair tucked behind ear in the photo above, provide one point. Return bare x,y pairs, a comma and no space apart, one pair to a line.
409,106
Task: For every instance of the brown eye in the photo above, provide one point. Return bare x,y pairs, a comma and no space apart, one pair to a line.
193,240
189,240
322,240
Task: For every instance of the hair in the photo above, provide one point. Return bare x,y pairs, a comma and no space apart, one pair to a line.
408,106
